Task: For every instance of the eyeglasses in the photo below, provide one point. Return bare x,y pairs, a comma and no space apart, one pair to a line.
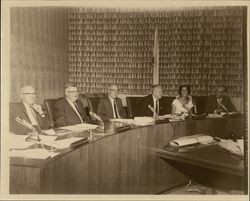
72,91
114,90
29,93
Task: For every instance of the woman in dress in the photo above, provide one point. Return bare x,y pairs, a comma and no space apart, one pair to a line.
183,104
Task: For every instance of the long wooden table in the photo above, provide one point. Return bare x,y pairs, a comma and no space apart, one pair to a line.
121,163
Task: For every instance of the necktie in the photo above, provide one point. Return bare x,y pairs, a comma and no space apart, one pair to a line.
33,118
115,109
157,107
79,114
218,103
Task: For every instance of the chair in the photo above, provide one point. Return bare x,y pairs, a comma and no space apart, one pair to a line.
93,103
166,103
200,102
133,105
49,104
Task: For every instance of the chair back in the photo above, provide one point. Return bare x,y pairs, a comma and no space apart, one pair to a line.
133,105
200,102
93,103
49,104
167,104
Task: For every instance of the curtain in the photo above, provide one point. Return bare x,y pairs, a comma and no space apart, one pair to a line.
202,47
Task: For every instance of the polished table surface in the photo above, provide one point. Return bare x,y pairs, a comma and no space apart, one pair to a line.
209,156
123,162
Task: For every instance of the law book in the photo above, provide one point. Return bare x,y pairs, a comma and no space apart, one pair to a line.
193,139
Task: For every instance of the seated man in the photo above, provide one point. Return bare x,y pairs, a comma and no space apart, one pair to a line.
219,103
154,100
69,110
28,111
111,107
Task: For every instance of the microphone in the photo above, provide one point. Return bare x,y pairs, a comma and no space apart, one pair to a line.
24,123
98,118
30,126
95,116
154,112
224,107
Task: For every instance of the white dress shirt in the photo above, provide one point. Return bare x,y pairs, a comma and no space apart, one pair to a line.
113,108
156,102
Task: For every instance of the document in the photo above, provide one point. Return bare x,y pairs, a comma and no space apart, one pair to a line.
49,132
193,139
126,121
48,140
143,121
79,127
215,115
33,153
18,141
65,143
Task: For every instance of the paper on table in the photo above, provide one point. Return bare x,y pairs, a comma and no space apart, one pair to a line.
214,116
65,143
128,121
143,121
49,132
18,142
241,144
192,139
33,153
79,127
45,139
165,116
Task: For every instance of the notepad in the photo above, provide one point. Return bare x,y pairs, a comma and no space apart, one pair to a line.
193,139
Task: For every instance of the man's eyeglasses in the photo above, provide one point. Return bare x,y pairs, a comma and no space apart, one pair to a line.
72,91
114,90
29,93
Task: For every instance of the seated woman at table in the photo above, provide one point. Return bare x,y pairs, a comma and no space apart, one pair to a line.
183,103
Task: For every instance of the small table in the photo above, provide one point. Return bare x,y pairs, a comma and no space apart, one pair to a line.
209,165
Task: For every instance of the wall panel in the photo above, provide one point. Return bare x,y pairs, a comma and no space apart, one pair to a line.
39,50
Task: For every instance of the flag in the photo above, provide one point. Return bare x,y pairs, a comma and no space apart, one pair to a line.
156,59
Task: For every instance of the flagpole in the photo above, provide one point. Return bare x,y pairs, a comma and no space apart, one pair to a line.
156,58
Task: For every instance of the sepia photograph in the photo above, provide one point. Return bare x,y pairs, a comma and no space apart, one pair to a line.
124,100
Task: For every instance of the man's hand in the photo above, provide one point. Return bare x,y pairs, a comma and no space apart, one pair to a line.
38,109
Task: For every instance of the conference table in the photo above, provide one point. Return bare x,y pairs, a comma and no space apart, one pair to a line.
125,161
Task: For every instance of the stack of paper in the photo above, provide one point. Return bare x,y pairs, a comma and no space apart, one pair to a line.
18,142
126,121
65,143
49,132
143,121
215,115
33,153
79,127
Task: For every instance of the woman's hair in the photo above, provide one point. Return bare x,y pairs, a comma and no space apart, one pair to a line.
182,86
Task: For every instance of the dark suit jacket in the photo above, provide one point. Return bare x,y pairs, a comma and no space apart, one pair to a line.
65,115
148,100
212,104
105,111
18,109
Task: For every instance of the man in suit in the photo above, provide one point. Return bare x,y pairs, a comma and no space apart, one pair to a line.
219,103
29,111
111,106
69,110
154,100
